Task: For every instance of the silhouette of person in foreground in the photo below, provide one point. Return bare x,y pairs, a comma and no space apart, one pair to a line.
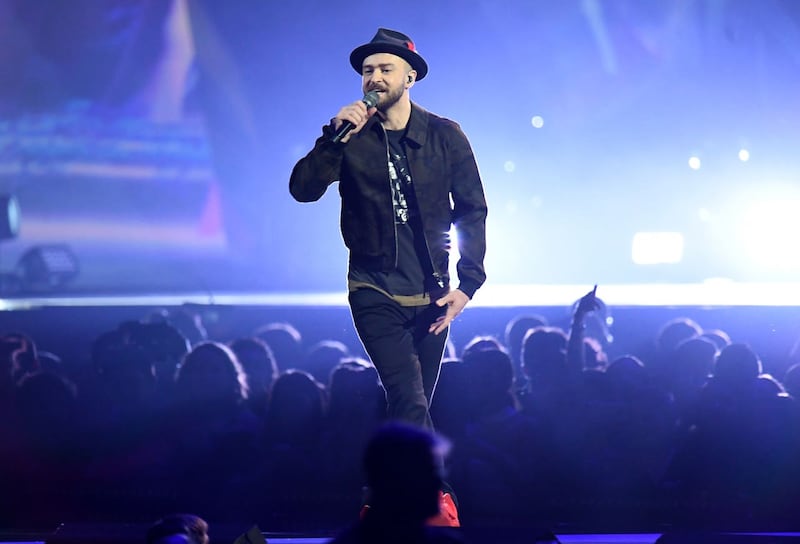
178,529
403,466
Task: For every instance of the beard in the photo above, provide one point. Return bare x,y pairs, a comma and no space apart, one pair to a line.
389,98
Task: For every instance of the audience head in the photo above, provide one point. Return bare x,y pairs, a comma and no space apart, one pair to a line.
490,377
354,388
178,529
19,356
675,331
791,381
286,344
296,409
46,408
737,365
403,466
124,369
323,357
258,363
189,324
210,374
515,332
482,343
164,345
718,337
626,374
50,362
693,361
767,386
544,351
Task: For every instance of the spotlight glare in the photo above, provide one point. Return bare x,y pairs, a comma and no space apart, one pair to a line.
455,254
657,248
537,121
744,155
694,163
767,233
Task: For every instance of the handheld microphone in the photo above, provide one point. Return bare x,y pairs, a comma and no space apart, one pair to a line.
370,100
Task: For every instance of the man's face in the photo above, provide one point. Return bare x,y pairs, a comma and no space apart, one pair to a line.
387,74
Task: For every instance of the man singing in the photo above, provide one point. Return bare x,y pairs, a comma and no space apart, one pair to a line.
405,176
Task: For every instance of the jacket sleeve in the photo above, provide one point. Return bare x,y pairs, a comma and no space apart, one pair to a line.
314,173
469,215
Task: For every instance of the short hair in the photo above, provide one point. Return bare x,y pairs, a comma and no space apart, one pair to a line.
403,465
194,528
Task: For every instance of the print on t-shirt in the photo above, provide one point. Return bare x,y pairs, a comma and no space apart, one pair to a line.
400,178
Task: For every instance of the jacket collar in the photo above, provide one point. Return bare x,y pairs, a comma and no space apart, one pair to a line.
417,125
417,129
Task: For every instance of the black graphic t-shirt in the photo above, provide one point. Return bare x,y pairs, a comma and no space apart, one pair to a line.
413,261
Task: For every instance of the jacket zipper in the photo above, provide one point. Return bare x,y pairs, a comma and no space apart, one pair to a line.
391,198
436,275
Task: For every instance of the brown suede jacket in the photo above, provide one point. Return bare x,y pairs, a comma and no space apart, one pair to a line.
442,166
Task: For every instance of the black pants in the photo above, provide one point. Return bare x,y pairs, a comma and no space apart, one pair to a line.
406,356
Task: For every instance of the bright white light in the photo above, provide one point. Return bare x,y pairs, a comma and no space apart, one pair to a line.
744,155
657,248
454,253
509,166
537,121
768,233
694,163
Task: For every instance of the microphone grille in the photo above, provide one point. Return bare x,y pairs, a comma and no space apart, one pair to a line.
370,99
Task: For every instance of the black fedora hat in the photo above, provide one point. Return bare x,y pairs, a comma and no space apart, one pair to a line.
390,41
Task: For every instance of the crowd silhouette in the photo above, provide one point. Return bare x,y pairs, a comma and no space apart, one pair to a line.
546,427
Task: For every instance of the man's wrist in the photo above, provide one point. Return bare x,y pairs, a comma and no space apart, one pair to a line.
467,289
